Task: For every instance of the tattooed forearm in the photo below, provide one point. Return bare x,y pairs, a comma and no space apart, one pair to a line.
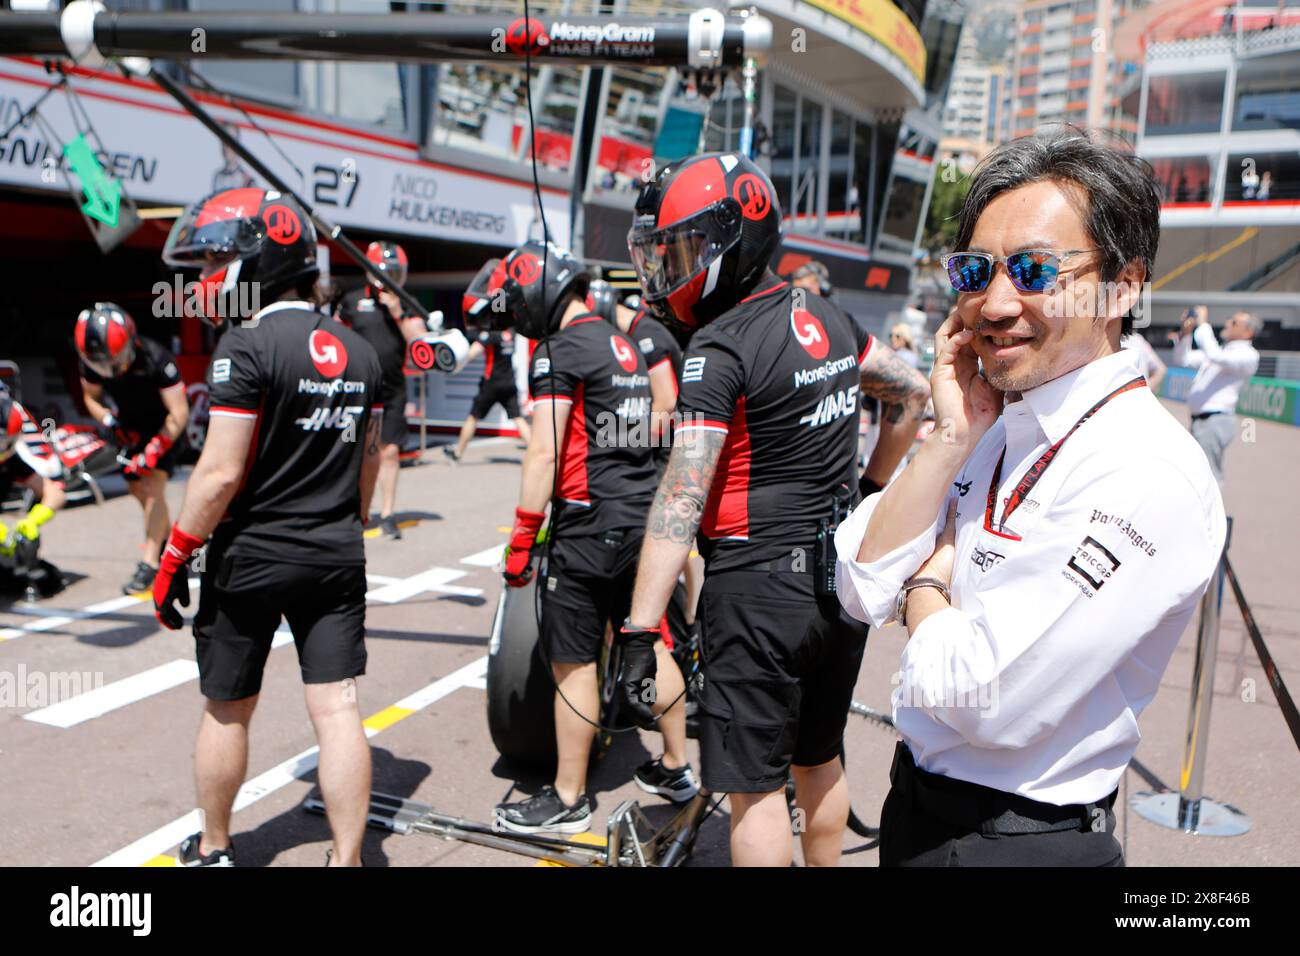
887,377
679,503
373,428
892,413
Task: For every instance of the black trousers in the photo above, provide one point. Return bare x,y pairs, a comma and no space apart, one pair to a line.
930,820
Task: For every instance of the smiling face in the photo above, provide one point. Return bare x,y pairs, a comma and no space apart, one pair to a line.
1024,339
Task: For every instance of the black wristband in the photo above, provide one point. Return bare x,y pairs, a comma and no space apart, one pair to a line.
868,487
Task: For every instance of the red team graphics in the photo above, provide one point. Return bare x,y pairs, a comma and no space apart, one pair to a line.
525,268
623,352
282,224
808,331
751,192
327,353
526,35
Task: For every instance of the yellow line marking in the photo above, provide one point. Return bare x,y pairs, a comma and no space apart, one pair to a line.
386,718
161,860
589,838
1246,235
505,529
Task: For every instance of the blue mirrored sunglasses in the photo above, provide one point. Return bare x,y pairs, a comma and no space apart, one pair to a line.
1032,270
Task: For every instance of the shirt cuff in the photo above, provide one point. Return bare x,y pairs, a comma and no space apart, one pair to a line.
868,591
947,672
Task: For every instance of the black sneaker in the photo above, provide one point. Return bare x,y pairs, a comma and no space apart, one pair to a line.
142,581
451,452
389,527
545,811
188,854
677,785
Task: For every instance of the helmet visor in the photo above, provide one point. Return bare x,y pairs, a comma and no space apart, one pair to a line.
213,245
476,305
666,259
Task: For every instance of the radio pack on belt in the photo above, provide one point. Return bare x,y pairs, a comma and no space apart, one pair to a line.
824,560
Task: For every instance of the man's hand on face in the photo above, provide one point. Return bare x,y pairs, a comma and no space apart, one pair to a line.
965,404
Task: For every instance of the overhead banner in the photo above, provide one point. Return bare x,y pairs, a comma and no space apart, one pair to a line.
884,23
162,155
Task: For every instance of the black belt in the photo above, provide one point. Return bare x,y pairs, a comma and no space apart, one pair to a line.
801,563
985,810
1201,416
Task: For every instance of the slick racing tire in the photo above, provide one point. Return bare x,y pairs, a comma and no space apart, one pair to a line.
520,692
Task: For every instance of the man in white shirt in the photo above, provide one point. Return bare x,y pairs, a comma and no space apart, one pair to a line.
1044,557
1221,371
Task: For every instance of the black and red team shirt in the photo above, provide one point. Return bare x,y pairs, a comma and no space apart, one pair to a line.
137,392
498,356
370,318
656,344
782,384
310,386
607,473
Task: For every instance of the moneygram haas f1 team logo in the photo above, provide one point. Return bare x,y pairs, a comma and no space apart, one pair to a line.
526,36
623,352
751,192
327,353
525,268
809,333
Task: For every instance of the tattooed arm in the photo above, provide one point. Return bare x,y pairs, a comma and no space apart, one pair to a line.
674,519
903,393
370,463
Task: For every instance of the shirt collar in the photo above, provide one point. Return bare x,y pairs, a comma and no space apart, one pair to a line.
1057,405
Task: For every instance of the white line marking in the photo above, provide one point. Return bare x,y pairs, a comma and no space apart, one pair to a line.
168,836
479,683
128,690
488,558
120,693
58,620
431,580
381,579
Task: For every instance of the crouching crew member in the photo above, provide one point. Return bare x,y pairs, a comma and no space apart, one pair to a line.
139,379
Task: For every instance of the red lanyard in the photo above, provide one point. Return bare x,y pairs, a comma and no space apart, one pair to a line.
1030,478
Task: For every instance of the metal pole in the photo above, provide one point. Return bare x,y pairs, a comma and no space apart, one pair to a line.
1190,810
424,412
749,90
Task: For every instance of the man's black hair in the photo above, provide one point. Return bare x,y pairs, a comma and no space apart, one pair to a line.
1123,213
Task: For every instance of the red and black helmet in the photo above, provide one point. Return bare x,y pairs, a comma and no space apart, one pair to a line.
534,280
255,237
106,339
704,232
390,259
13,418
477,303
602,298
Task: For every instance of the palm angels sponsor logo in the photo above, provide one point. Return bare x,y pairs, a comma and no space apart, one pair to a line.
1125,527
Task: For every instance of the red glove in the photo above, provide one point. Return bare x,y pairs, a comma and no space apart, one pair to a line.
172,582
147,460
519,552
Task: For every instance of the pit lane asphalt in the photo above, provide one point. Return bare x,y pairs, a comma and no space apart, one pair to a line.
112,787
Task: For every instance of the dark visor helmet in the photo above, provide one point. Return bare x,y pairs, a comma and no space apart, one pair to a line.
477,302
703,235
106,339
12,420
247,235
533,280
390,259
602,299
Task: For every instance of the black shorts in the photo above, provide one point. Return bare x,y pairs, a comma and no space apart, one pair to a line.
241,601
588,583
489,393
779,669
393,431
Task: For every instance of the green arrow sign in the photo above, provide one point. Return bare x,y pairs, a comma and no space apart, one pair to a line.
103,192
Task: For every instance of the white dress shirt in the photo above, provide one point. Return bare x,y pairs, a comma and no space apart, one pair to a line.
1221,370
1064,619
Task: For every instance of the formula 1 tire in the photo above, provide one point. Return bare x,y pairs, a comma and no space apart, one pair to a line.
520,692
